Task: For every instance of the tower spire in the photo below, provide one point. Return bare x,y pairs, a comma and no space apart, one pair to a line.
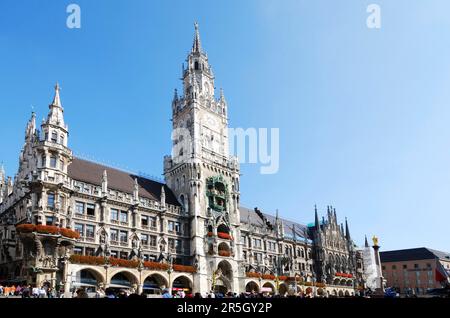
366,243
55,115
347,232
316,218
56,99
197,46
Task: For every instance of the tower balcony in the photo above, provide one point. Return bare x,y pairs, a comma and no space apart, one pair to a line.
59,147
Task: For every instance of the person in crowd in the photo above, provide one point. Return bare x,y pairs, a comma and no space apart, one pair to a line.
35,292
42,292
81,293
166,294
26,292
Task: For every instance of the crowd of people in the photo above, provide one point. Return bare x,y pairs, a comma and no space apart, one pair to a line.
45,291
29,291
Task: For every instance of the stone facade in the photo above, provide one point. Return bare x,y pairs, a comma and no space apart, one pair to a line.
143,235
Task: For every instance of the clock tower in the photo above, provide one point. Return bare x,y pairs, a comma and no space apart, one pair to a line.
204,176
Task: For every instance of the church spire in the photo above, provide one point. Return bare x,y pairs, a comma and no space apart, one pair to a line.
316,218
347,232
366,243
56,99
197,45
55,115
31,127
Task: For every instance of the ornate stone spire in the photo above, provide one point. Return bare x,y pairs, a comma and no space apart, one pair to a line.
316,219
31,127
347,231
366,243
56,99
197,45
55,115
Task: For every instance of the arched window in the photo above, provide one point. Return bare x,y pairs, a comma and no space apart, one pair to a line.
61,140
196,65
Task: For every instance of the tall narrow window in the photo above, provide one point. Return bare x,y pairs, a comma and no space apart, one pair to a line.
90,209
54,136
114,215
196,65
123,216
114,235
90,230
79,228
53,161
123,236
61,140
43,161
51,200
79,207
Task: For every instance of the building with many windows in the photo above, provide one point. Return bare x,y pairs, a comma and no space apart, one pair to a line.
413,271
69,222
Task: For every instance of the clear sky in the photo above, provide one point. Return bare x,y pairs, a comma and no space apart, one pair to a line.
363,113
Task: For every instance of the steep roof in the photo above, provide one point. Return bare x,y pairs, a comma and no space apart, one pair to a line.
250,215
91,172
413,254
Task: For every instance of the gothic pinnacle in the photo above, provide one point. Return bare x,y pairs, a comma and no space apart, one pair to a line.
56,99
197,46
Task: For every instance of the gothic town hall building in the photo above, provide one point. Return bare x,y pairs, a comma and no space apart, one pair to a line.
68,222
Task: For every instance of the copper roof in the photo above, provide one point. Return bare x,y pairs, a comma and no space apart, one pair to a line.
90,172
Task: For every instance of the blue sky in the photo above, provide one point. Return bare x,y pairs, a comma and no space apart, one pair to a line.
363,113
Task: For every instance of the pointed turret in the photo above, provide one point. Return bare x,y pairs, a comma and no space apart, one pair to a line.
197,45
316,219
2,173
347,231
30,131
366,243
55,115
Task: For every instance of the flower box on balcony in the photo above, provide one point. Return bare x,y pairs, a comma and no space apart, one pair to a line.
268,276
47,229
224,236
253,275
282,277
225,253
184,268
86,259
156,265
123,262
